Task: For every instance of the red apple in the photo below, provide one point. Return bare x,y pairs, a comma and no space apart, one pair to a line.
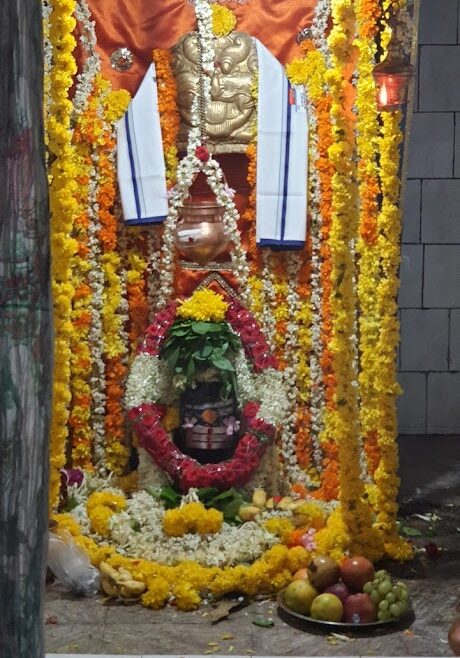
359,609
340,590
356,572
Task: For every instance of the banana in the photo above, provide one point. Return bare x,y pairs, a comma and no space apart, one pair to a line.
109,588
259,498
248,512
131,589
107,570
284,503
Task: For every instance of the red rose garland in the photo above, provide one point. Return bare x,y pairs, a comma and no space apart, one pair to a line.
146,418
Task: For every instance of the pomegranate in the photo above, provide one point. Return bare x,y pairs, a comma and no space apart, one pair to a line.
323,571
356,572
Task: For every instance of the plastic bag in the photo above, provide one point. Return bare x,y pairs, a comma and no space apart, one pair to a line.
71,566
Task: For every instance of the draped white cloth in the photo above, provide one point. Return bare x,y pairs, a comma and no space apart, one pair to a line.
140,160
282,157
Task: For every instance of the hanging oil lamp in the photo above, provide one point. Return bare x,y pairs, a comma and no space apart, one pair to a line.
392,77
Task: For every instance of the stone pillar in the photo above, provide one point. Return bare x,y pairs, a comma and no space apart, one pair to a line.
25,332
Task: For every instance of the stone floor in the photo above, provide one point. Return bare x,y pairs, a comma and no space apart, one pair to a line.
430,484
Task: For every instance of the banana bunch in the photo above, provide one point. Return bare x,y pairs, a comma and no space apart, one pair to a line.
260,504
119,583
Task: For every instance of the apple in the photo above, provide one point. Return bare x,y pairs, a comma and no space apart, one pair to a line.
340,590
356,572
359,609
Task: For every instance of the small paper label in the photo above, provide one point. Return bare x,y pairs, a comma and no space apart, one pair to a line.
300,99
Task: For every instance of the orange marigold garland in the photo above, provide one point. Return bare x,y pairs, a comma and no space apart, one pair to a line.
167,108
116,452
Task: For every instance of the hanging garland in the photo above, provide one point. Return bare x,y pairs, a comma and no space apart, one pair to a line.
63,207
355,514
368,15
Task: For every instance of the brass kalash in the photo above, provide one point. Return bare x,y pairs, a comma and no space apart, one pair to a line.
200,236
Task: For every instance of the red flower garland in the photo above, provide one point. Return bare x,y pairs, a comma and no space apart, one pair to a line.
183,470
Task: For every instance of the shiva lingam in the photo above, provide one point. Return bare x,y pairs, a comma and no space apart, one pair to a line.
200,234
210,423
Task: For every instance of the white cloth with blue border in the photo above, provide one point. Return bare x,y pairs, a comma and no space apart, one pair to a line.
282,157
140,159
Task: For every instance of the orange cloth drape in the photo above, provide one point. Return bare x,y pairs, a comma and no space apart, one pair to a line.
142,25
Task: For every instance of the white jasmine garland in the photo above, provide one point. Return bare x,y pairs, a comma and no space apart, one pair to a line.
95,334
149,381
92,64
319,28
190,165
317,395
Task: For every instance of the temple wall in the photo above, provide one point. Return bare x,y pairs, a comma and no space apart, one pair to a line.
430,291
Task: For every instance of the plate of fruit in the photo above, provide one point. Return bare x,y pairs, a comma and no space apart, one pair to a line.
349,595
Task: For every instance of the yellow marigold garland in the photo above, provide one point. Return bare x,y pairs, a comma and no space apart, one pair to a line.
387,387
184,584
368,13
64,207
355,514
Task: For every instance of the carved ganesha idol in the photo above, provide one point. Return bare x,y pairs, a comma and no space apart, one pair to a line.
230,115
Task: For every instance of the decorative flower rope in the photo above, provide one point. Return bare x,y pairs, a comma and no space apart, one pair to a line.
355,514
368,14
64,208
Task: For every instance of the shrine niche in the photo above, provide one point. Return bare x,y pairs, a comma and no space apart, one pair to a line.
226,228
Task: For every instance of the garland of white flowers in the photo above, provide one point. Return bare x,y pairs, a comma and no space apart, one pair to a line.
319,28
153,271
96,333
192,164
92,65
317,396
47,60
291,358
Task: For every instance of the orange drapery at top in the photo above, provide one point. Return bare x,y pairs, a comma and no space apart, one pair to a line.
142,25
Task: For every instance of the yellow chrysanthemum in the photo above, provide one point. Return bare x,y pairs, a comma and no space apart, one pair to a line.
204,305
223,20
191,518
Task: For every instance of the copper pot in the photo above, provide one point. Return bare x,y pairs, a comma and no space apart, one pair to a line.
200,234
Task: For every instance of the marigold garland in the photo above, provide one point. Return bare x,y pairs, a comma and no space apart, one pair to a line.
84,137
64,208
183,585
368,13
355,514
115,451
167,109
